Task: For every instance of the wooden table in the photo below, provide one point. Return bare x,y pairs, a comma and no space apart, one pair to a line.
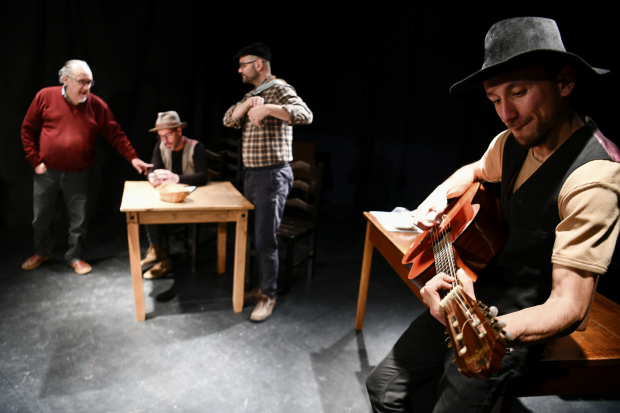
216,202
393,246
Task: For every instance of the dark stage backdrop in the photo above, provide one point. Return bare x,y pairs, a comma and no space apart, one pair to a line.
376,79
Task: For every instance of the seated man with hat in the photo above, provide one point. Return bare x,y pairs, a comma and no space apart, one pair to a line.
560,185
176,159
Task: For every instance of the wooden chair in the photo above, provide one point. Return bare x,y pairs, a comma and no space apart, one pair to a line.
301,218
216,172
216,165
233,162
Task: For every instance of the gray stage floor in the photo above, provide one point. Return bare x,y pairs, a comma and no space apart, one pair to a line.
70,343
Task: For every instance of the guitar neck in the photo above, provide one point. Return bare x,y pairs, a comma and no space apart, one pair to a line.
478,348
444,256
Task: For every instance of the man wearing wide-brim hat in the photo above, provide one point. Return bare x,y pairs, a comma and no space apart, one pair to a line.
560,184
176,159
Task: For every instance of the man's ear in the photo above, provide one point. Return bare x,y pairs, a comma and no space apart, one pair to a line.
64,79
566,79
260,65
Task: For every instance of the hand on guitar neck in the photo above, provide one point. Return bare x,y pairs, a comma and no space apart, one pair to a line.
442,282
461,235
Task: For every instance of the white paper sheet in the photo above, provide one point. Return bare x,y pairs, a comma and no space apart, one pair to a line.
399,220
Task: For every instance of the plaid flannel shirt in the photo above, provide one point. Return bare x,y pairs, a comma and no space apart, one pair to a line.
270,144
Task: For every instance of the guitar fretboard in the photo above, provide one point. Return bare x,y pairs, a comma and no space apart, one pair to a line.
444,255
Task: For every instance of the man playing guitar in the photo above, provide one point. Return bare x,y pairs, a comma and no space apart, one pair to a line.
560,185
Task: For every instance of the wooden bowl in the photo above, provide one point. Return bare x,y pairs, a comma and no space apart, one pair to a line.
173,192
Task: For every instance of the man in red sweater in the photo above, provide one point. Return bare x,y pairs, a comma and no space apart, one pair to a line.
58,134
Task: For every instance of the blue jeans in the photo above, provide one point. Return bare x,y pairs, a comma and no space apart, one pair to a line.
421,354
267,188
74,189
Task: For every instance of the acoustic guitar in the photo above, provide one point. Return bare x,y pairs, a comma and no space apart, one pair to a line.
469,235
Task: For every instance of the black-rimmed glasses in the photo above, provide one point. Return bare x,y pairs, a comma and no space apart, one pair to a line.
242,64
82,82
166,136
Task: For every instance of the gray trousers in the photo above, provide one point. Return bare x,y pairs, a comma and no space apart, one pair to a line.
267,188
74,189
420,355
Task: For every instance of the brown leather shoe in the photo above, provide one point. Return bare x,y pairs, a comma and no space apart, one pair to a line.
159,270
81,267
153,254
34,261
252,296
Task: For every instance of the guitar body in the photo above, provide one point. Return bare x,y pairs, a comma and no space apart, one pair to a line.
477,234
469,235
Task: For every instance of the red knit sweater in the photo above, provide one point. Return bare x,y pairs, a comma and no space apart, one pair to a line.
63,135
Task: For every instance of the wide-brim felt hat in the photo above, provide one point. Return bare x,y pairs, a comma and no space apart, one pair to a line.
168,120
255,49
516,43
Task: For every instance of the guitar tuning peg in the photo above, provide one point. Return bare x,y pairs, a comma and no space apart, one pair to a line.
493,311
501,324
463,351
459,336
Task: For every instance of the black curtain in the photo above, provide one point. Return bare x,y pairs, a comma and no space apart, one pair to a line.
377,80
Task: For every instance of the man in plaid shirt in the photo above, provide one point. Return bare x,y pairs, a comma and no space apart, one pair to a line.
266,114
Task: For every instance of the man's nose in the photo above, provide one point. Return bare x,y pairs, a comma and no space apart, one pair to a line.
507,112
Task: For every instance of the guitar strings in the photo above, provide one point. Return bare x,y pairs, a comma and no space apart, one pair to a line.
446,263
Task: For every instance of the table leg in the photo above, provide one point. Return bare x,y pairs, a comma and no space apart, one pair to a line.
365,277
133,236
221,247
241,239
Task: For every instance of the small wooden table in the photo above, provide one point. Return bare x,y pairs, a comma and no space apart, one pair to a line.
393,246
215,202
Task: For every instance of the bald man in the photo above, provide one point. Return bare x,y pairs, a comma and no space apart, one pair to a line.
58,134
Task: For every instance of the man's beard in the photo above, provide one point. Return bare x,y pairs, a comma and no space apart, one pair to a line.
541,133
539,136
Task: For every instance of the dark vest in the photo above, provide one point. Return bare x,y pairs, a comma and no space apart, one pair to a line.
531,215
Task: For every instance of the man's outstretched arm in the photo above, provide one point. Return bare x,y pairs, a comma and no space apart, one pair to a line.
435,204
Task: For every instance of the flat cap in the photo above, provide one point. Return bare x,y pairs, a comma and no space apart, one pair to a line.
255,49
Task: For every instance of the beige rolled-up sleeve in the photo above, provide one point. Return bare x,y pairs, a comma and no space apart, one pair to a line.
588,206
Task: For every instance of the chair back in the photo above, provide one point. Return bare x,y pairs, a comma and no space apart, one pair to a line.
306,194
233,162
215,165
